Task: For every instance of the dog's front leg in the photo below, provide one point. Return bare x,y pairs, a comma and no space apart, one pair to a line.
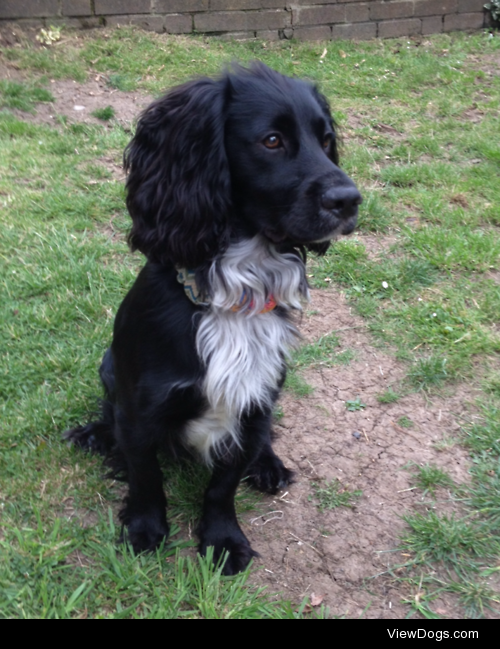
144,512
219,527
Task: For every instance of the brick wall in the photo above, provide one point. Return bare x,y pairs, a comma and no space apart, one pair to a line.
267,19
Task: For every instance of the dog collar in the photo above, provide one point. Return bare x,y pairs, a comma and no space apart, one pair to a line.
187,278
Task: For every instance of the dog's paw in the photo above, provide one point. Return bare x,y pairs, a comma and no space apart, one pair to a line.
236,545
269,474
145,532
95,437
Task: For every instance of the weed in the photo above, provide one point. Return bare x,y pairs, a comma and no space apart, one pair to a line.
355,405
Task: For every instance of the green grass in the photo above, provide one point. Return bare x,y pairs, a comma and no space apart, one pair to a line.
389,396
22,96
429,477
66,571
104,114
419,127
333,494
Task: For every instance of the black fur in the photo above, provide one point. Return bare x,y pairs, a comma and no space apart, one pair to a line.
204,171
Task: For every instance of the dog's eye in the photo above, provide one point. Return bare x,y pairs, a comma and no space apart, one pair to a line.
327,141
272,142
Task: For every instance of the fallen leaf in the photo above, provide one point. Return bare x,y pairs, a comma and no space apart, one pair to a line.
316,600
325,52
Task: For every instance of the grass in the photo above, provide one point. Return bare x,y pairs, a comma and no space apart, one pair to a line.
322,353
104,114
50,574
333,494
22,96
419,122
429,477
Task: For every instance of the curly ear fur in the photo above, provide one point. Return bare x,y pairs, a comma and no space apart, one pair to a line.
179,183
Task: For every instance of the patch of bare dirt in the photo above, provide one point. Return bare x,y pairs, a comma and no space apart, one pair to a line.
77,101
13,35
337,554
488,63
375,245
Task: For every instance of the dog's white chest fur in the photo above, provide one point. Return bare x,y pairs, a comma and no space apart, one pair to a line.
244,350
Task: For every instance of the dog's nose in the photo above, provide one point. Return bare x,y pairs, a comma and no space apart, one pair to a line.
344,200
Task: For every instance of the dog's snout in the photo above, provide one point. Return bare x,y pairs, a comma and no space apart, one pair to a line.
343,200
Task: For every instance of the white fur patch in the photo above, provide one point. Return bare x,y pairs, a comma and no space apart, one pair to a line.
244,351
211,431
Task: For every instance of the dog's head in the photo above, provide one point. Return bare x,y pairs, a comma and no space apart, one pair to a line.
253,152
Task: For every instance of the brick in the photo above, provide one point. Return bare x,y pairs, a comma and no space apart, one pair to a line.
395,28
435,7
238,36
269,35
228,5
357,13
391,10
273,4
111,7
319,33
180,6
458,22
470,6
355,32
82,22
432,25
149,23
28,8
319,15
239,21
23,23
76,8
178,24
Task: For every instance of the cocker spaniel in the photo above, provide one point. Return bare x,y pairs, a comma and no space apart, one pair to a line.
230,182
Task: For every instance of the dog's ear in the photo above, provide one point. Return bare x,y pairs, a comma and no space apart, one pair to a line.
178,187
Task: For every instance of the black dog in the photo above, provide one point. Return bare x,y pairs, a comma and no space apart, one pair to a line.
230,182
